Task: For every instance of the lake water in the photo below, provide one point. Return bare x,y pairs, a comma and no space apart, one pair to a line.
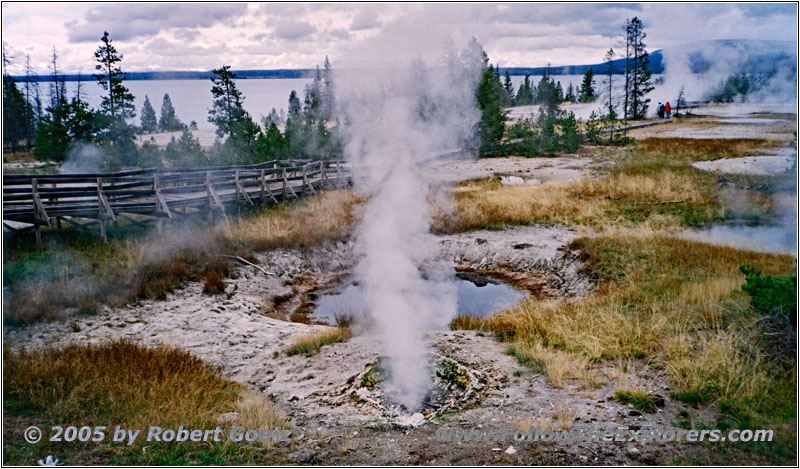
477,295
192,98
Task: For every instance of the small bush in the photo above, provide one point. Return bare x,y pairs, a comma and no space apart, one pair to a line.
639,400
213,284
771,294
449,372
694,396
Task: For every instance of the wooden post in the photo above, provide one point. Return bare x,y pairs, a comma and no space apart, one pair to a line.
208,196
103,236
36,214
307,187
236,183
261,178
159,221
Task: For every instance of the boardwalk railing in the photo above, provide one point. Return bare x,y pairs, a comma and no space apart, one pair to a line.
44,199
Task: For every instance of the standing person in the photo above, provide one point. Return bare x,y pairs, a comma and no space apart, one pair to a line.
660,110
667,110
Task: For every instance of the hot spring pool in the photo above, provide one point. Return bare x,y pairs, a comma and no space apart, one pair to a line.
478,296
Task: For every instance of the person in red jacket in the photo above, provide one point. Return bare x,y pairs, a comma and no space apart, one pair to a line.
667,110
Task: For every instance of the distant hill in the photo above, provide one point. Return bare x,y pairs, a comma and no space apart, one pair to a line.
189,75
731,55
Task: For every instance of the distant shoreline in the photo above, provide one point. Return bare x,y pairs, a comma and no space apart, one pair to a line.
618,68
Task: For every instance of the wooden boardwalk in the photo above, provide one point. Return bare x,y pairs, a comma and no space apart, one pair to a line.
45,200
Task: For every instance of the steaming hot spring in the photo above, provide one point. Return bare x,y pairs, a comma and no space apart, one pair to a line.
478,295
451,385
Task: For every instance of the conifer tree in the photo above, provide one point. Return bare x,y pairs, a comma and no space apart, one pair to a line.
228,108
118,101
168,121
640,75
587,93
609,59
508,87
149,120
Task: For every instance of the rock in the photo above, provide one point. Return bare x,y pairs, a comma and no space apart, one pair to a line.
413,420
522,245
480,241
634,413
510,450
228,417
659,400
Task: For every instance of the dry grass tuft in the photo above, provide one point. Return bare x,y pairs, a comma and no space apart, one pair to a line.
255,412
115,383
327,217
348,445
557,366
311,344
706,148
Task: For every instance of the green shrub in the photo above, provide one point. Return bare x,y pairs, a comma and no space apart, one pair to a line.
639,400
771,294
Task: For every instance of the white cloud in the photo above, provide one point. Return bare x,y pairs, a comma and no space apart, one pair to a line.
299,35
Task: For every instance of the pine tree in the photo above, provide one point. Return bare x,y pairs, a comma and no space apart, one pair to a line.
609,59
272,118
31,118
525,92
294,132
118,102
490,96
328,98
570,95
271,144
548,94
312,99
149,119
14,110
228,108
640,75
587,93
58,92
508,87
680,103
168,121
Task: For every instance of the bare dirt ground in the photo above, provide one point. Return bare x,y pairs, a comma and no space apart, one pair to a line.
335,421
562,168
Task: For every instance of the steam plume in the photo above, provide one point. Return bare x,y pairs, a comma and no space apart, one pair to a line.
398,114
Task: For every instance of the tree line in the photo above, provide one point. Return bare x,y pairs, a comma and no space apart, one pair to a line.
309,128
50,130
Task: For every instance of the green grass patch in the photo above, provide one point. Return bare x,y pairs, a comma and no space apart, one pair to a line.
694,397
639,401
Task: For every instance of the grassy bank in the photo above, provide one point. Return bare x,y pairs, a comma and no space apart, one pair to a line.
674,306
132,386
651,183
78,273
678,307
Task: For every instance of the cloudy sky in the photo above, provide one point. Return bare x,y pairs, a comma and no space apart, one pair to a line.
164,36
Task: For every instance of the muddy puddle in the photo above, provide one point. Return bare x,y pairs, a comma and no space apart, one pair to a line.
478,295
